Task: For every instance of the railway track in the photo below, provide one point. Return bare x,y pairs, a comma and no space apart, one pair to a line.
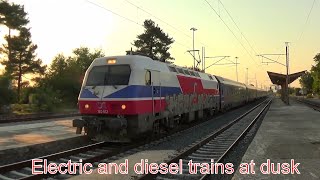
215,146
88,154
311,104
32,117
94,153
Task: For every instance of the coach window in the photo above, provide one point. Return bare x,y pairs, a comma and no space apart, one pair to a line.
148,78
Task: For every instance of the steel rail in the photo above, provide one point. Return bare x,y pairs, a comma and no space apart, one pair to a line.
206,176
54,157
310,104
96,147
210,137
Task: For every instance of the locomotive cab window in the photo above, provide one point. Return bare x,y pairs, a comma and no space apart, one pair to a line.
172,69
148,78
109,75
192,73
186,72
180,71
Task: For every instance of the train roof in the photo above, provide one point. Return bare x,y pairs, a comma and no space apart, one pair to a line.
138,61
230,82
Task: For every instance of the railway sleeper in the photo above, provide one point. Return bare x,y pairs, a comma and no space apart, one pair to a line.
218,147
12,175
213,147
95,153
5,177
204,157
186,161
27,169
63,176
86,155
204,151
226,143
163,178
76,158
19,174
64,160
102,150
185,175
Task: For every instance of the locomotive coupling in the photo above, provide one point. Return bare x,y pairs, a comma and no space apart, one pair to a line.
116,123
112,124
79,124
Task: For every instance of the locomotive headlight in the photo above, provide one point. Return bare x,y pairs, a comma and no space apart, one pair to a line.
111,61
86,106
123,107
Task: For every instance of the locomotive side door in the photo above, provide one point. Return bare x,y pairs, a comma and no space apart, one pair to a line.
156,91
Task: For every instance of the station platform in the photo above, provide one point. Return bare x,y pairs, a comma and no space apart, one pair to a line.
20,134
312,100
286,133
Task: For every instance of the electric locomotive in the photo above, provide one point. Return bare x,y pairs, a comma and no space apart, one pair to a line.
126,97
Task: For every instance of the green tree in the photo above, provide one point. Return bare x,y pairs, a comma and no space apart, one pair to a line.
46,99
315,72
65,74
154,42
83,58
7,94
297,91
306,82
13,17
23,59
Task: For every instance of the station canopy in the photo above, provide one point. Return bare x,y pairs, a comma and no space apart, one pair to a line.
280,79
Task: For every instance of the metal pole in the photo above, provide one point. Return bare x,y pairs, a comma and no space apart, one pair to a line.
204,59
287,79
247,77
255,76
237,68
194,61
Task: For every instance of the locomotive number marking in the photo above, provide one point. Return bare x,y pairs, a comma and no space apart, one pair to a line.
103,111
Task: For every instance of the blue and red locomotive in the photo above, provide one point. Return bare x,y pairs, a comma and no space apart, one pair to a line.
129,96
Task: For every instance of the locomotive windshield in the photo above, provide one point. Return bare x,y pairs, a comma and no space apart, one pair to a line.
109,75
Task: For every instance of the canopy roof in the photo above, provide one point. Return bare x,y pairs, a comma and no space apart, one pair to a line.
280,79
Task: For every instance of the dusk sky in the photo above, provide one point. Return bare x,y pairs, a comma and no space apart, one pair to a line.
58,26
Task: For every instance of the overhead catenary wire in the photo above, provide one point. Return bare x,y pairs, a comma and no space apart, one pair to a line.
305,24
157,18
173,27
128,19
98,5
232,33
238,27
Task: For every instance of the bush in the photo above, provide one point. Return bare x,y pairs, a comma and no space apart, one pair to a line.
25,94
7,95
45,99
23,108
309,96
